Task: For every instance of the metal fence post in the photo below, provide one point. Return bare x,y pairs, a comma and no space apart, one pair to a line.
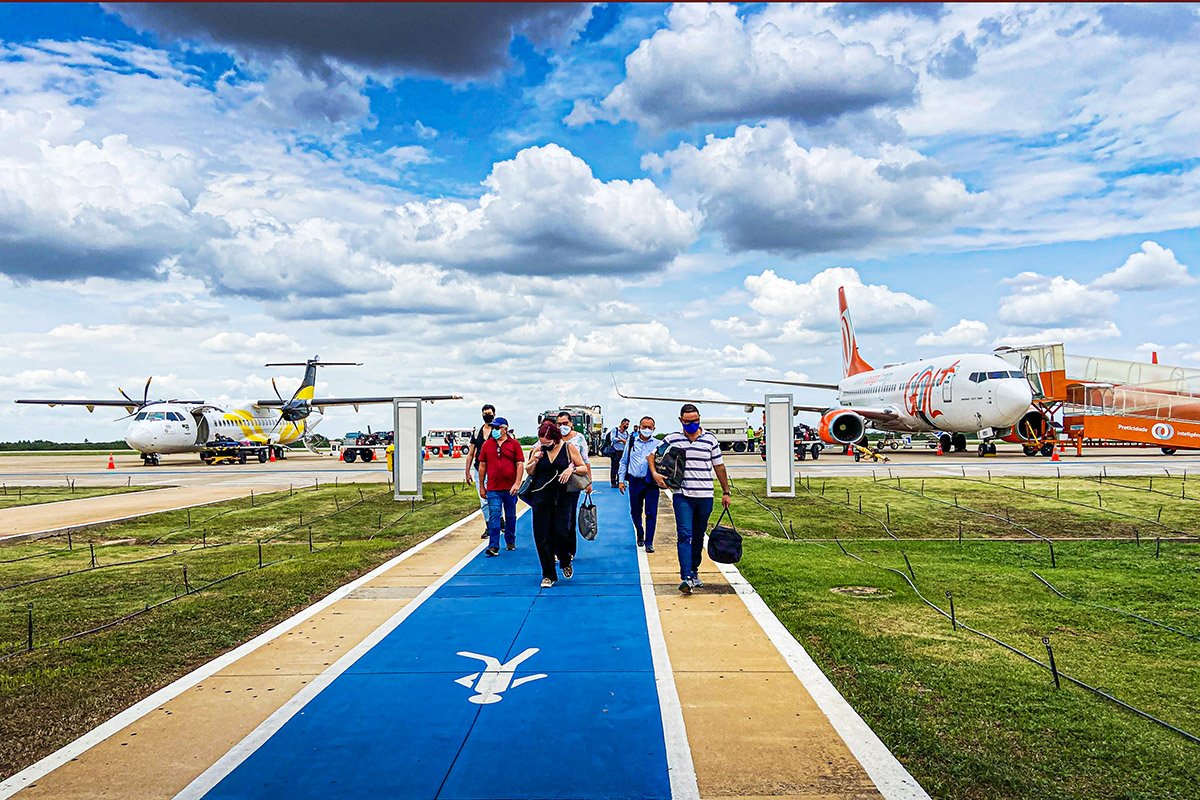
953,619
1053,666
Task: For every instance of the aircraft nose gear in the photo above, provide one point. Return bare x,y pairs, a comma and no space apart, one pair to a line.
987,449
150,459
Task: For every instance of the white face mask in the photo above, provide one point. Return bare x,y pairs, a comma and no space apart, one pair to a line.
648,433
565,430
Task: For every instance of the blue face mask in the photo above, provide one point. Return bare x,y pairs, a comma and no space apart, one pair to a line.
691,427
497,433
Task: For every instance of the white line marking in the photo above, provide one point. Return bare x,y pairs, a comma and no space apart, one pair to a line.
135,712
889,775
680,769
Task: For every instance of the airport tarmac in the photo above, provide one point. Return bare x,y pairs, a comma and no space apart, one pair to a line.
195,483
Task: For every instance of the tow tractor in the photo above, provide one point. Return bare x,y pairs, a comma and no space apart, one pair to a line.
223,450
805,443
862,451
367,447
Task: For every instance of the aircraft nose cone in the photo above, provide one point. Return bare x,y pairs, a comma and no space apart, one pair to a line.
1013,398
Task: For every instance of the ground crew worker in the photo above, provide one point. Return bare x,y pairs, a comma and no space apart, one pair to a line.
643,492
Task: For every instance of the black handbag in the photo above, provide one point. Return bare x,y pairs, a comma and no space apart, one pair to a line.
528,493
724,542
589,523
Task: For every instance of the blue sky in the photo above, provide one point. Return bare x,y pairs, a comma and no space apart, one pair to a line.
508,201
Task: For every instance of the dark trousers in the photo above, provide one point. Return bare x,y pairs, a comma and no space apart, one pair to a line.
614,464
551,526
573,499
502,516
691,520
643,494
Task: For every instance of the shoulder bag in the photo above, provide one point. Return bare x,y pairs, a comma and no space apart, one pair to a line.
589,524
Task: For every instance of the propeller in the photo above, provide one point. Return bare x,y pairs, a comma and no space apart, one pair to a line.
136,405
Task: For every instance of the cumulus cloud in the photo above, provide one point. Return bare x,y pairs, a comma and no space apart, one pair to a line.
763,191
248,349
544,212
1070,335
966,332
42,379
449,40
711,64
1152,267
1041,301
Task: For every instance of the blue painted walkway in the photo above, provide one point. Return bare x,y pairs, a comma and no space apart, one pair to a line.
396,724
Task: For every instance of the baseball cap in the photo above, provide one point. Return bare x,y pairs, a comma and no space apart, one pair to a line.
499,422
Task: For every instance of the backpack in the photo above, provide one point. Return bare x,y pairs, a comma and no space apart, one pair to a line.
606,447
724,542
670,462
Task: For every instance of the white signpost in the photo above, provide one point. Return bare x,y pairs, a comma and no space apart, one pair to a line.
408,463
781,465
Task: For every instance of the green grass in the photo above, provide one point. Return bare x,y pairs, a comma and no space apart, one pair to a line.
966,717
58,691
14,496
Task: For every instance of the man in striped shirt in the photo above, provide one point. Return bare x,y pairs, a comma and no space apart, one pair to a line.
693,502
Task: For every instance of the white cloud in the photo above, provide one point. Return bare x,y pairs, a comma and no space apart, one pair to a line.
711,64
250,350
1041,301
41,379
1152,267
814,304
1070,335
966,332
763,191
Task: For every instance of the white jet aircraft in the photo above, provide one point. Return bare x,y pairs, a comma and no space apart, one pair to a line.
163,427
949,396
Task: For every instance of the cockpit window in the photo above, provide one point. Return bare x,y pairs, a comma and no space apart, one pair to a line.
141,415
1016,374
155,415
993,376
978,377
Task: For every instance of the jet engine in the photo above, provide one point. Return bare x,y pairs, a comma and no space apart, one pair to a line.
1033,425
841,426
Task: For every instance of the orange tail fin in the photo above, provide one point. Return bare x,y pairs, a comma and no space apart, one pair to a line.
852,362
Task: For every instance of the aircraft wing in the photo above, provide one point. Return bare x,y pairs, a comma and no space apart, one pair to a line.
749,405
90,404
321,402
874,414
830,386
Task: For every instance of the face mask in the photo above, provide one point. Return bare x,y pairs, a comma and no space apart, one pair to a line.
547,447
565,430
691,427
487,418
648,433
496,434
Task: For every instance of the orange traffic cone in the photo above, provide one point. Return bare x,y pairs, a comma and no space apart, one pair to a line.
441,453
111,464
425,453
457,452
1054,455
939,452
272,449
341,455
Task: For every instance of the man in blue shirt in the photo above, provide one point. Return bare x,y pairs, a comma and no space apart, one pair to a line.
618,436
633,471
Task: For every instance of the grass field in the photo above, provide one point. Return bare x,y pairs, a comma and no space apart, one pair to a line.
968,718
57,691
13,496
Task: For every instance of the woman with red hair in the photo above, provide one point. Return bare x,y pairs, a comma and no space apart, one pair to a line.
551,464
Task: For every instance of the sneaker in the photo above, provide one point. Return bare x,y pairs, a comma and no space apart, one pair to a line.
649,548
641,542
685,586
484,535
568,570
547,583
493,551
510,546
696,582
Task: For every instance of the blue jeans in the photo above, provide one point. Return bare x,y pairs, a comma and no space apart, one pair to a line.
691,520
643,493
501,501
475,478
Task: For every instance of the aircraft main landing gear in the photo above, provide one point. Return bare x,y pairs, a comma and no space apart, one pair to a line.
987,449
150,459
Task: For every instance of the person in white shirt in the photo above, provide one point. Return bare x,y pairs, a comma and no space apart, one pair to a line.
634,471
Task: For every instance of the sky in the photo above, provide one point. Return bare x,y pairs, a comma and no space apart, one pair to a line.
513,202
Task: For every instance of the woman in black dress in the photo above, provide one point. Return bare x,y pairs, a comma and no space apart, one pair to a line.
551,464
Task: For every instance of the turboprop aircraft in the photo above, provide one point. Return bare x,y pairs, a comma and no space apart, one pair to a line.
162,427
949,396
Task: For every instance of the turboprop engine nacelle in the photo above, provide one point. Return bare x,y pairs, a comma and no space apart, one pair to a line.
1033,425
841,426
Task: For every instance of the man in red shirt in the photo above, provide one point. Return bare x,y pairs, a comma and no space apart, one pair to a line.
500,462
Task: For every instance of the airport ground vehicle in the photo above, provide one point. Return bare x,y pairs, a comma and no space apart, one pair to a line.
586,419
730,432
366,446
227,451
442,441
806,443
